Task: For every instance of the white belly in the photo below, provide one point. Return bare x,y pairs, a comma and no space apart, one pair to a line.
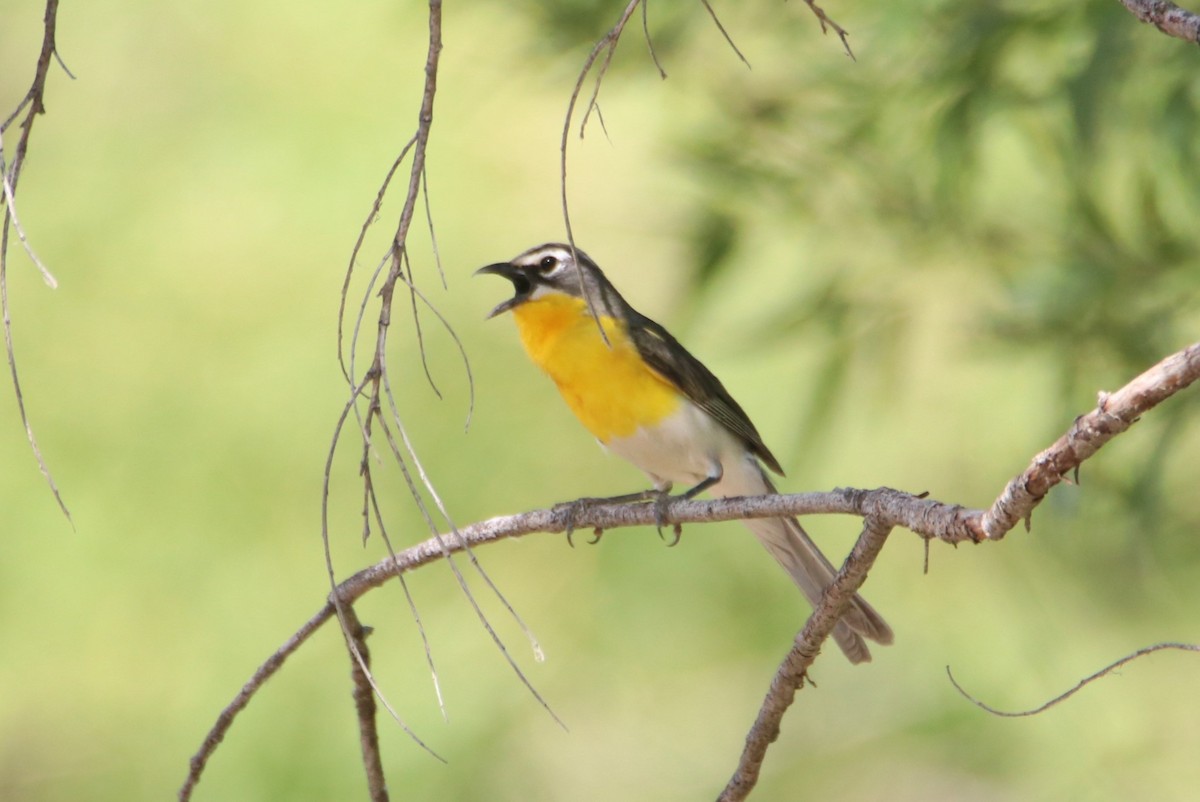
683,449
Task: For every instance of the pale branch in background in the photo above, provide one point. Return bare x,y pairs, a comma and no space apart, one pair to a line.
32,104
1167,17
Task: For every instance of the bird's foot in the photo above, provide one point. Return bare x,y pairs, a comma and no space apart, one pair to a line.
662,501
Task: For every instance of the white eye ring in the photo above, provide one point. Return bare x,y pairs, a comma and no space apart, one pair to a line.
552,265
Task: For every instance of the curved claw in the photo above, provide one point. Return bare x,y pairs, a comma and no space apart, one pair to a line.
660,510
572,511
676,530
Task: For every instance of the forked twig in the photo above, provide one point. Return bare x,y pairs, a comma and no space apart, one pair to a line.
608,41
379,416
10,172
10,205
827,23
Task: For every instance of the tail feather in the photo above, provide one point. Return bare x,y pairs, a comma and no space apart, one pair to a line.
812,572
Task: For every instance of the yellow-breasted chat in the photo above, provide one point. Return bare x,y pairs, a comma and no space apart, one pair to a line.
648,400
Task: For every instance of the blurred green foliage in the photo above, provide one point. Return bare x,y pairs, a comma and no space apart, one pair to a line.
916,267
1053,151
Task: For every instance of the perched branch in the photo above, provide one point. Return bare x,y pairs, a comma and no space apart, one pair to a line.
1113,414
1167,17
881,509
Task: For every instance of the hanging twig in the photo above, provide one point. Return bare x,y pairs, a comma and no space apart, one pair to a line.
32,104
1088,680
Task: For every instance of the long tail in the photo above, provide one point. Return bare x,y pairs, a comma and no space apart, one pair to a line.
791,546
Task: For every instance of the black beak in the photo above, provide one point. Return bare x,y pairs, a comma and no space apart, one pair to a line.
520,280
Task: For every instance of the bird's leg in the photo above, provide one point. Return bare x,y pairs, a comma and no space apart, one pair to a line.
664,499
574,509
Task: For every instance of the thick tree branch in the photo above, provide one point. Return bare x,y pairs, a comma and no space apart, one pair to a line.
1167,17
881,509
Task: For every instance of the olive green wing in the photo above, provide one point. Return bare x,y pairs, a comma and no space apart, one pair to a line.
675,363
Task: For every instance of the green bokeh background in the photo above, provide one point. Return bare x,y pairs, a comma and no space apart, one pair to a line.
197,190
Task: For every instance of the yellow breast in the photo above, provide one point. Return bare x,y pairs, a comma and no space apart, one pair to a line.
607,385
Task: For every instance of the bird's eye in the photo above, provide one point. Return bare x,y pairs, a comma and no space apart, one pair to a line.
548,263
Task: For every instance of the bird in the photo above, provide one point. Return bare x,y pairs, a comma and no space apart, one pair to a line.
647,399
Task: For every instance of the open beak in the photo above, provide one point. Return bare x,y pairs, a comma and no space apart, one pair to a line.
522,286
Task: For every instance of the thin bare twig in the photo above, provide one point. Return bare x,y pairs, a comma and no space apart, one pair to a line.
1108,669
608,41
338,598
649,41
410,282
729,39
433,243
372,216
32,104
455,535
412,608
1167,17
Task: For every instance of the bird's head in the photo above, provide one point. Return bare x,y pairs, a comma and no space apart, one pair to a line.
546,270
